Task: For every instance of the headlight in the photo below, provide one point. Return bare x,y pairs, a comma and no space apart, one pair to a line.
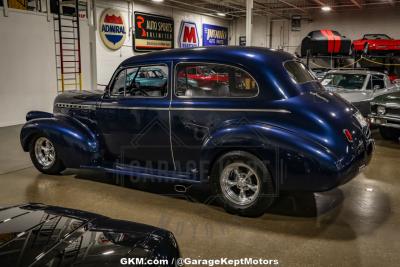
381,110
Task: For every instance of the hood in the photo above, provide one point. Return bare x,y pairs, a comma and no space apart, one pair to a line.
79,97
44,235
354,96
388,98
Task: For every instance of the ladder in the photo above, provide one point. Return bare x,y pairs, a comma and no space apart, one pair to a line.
67,43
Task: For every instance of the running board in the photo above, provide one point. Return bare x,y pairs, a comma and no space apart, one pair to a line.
145,173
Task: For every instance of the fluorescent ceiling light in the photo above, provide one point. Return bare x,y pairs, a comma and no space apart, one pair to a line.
326,8
157,1
221,14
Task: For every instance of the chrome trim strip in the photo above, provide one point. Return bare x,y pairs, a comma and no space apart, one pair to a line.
75,106
235,110
200,109
397,119
386,105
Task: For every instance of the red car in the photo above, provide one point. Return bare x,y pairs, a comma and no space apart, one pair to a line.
376,44
205,77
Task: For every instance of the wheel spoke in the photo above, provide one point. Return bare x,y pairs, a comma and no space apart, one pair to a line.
242,194
252,187
248,174
230,183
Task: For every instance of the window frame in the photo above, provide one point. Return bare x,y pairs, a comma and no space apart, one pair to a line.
125,68
212,97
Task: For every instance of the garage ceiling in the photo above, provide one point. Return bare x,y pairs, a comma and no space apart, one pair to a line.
274,8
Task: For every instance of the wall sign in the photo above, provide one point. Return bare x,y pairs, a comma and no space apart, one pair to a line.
296,23
242,40
112,29
214,35
153,32
188,36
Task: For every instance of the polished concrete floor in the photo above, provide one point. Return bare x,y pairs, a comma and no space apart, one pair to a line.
357,224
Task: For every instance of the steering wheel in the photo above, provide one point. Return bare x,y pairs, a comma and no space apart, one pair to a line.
134,90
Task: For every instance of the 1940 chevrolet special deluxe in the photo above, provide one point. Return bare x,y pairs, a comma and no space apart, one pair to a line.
266,126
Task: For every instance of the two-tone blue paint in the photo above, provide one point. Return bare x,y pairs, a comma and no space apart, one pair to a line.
296,129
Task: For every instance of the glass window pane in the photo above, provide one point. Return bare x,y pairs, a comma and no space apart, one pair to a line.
213,80
298,72
147,81
118,86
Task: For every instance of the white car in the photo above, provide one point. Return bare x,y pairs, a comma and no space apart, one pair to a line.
358,86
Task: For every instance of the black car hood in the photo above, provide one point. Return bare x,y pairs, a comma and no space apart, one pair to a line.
37,234
79,97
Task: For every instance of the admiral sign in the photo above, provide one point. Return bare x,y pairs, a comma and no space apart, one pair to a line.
188,36
214,35
112,29
153,32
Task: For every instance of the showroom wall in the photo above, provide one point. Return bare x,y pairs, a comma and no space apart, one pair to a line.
28,76
108,60
352,24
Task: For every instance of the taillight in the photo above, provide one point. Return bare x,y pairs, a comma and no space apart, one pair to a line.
348,135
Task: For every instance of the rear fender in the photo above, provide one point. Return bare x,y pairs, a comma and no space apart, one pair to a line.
76,144
270,143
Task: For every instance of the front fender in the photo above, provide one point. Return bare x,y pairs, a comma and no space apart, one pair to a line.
76,144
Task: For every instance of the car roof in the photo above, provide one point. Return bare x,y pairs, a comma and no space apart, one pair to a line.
247,56
355,71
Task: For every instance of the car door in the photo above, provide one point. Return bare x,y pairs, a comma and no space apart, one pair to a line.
199,109
134,119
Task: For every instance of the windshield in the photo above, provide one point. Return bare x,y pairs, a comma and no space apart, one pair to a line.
376,37
344,80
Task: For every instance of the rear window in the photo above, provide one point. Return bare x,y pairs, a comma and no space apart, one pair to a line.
298,72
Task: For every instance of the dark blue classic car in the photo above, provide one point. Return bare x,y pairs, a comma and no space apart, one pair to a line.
41,235
268,126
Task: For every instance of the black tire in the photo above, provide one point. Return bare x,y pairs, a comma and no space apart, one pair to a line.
266,193
56,166
389,133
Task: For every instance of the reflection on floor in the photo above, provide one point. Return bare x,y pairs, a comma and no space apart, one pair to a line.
354,225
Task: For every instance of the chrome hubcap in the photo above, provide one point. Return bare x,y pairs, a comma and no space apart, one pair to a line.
45,152
240,183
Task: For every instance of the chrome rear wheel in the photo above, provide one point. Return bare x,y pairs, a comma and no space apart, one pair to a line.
240,183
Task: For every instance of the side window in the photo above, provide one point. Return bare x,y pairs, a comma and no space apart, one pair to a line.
298,72
377,82
118,85
213,80
144,81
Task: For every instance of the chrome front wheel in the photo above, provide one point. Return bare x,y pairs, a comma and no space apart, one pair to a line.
45,152
44,155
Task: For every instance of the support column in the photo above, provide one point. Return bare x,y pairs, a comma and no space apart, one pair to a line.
249,21
5,8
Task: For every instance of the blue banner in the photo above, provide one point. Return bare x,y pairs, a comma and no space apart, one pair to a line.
214,35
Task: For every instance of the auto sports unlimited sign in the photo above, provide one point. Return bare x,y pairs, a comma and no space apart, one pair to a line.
112,29
153,32
188,35
214,35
